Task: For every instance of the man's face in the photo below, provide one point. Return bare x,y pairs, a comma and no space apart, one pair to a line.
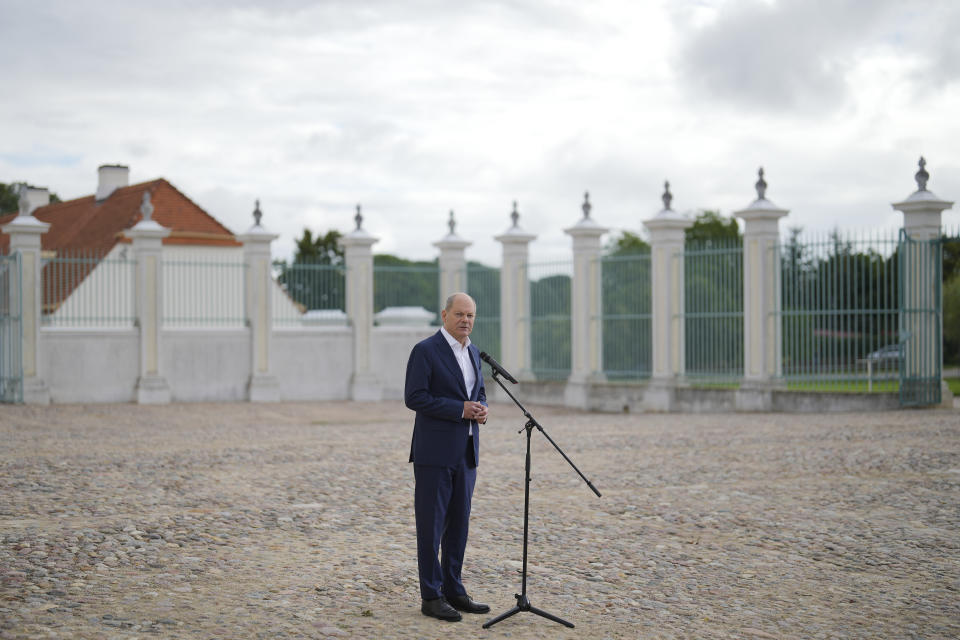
458,319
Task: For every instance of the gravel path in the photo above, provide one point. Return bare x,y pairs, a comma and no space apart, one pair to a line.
296,521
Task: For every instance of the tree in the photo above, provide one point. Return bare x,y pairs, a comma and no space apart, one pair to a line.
10,197
713,294
951,257
839,300
711,229
625,244
483,285
401,282
316,279
713,284
951,300
324,249
951,320
550,325
625,282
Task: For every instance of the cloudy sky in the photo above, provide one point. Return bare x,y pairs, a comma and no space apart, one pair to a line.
416,107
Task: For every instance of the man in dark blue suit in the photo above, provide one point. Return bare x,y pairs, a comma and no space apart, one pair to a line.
444,385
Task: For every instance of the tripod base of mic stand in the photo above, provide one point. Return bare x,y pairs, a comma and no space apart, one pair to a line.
523,604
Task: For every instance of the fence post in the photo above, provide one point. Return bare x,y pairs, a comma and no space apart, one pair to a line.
586,324
922,215
25,232
515,299
667,236
762,335
147,236
358,257
258,298
453,263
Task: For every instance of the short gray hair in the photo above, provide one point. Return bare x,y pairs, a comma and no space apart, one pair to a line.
452,297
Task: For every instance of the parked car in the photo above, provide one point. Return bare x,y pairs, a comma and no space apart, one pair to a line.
888,353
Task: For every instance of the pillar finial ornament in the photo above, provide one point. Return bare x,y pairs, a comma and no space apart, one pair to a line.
761,185
257,214
358,218
922,176
24,202
146,207
452,223
586,205
515,215
667,197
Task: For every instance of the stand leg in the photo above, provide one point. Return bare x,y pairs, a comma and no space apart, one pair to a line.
523,604
550,616
502,616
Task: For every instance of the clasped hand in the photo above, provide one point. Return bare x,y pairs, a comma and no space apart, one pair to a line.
475,411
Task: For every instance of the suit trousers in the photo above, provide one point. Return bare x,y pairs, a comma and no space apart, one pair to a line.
442,499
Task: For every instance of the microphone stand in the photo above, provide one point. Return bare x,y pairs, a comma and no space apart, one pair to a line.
523,603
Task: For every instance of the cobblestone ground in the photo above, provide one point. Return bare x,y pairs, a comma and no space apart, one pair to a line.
296,521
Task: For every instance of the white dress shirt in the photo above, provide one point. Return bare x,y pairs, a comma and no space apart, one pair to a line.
462,354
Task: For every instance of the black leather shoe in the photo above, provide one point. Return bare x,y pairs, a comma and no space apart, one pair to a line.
464,603
440,608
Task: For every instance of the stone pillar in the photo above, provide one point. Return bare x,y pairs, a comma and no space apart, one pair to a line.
586,322
667,237
358,256
147,236
922,214
263,385
515,300
453,263
762,335
25,232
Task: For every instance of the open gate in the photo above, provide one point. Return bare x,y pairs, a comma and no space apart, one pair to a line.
921,343
11,329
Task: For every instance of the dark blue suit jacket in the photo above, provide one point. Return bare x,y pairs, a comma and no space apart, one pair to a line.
435,390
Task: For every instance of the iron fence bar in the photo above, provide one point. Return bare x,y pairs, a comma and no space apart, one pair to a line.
203,293
11,328
838,302
624,317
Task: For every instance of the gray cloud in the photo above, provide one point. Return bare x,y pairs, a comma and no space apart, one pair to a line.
414,107
789,55
940,44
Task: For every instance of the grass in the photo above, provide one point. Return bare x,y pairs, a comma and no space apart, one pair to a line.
827,386
832,386
715,385
845,386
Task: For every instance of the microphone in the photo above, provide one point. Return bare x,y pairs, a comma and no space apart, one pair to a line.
497,369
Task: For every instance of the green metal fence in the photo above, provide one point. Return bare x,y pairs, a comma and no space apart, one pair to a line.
89,288
11,329
550,339
713,312
626,320
308,287
840,312
407,286
483,285
951,296
202,292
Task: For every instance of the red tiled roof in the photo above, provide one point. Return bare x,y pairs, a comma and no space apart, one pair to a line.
87,225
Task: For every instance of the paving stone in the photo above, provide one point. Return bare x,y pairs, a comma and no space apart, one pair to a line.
296,521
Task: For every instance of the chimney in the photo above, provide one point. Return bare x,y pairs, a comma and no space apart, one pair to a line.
111,177
37,197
